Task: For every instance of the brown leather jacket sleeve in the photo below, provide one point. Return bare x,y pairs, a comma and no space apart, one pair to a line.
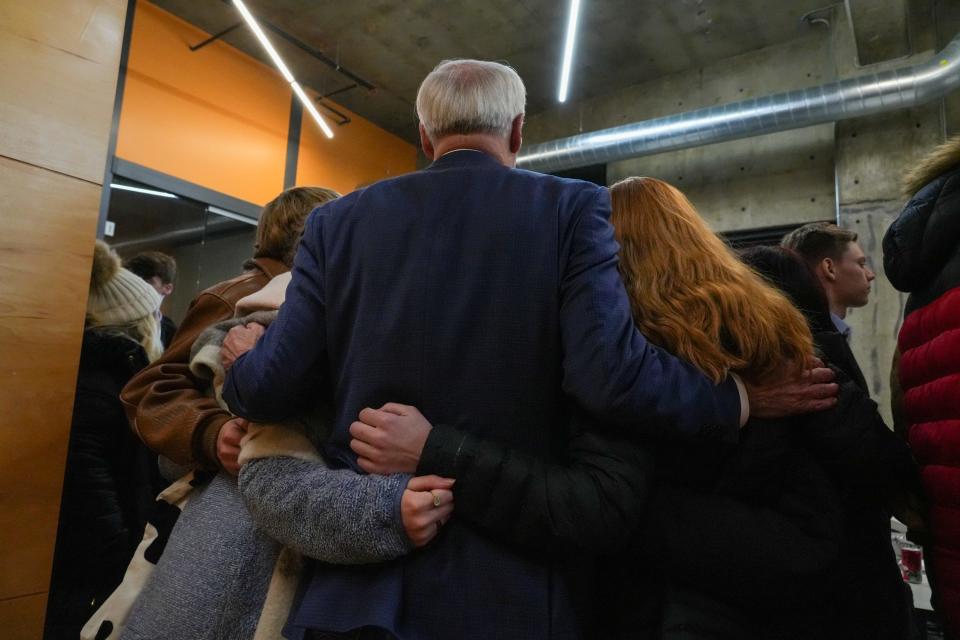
169,408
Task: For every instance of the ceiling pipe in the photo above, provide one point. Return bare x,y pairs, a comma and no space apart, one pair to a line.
864,95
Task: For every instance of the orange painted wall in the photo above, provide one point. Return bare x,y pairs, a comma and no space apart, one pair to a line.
360,153
218,118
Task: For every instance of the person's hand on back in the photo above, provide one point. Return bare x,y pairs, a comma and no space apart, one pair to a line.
389,439
238,341
813,390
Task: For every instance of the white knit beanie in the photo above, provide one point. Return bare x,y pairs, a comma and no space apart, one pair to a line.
117,296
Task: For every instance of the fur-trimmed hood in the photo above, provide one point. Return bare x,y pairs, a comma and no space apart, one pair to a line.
921,249
938,162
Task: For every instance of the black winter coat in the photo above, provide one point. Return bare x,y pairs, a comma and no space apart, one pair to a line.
740,541
110,484
770,556
921,249
872,465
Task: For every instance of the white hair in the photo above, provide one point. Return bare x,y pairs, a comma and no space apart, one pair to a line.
470,96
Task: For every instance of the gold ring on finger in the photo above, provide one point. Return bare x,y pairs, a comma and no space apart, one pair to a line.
436,499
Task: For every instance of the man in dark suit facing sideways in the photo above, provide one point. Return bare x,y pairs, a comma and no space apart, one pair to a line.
488,297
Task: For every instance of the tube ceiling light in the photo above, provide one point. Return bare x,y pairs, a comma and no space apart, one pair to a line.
284,71
568,49
149,192
297,89
230,214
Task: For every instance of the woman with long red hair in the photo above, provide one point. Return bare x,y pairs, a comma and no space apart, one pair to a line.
693,296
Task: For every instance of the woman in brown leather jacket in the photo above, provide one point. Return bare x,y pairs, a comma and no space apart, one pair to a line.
165,403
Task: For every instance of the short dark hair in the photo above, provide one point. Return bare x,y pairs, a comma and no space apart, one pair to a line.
787,271
150,264
819,240
282,220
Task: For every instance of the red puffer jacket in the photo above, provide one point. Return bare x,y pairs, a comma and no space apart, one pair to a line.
930,376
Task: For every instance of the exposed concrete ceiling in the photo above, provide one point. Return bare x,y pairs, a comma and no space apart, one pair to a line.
393,44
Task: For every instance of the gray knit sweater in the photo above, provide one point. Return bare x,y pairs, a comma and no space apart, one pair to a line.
337,516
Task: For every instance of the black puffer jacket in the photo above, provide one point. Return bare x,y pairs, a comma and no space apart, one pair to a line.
590,497
774,561
921,249
871,466
110,484
741,541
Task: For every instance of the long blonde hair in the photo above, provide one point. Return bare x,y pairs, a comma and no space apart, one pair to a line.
145,332
148,331
692,296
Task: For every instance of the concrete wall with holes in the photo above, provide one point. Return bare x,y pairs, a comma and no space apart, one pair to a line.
848,171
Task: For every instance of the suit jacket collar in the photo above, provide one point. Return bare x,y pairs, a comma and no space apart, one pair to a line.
464,158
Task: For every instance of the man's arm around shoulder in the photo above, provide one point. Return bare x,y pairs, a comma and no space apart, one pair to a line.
608,365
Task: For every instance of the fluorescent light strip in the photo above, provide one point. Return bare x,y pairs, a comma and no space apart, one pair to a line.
149,192
297,89
278,61
262,37
230,214
568,49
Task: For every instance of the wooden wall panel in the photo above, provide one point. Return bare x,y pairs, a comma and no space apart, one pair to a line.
59,61
22,618
58,72
46,248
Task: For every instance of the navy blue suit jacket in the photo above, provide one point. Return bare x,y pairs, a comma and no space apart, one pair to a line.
487,297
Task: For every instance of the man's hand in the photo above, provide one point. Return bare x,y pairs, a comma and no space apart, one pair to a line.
425,506
389,439
239,340
228,444
813,391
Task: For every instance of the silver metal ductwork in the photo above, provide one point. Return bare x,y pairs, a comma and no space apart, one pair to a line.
861,96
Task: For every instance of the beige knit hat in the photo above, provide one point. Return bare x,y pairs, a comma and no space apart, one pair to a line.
117,296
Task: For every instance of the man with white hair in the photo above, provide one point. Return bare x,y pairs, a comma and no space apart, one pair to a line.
489,298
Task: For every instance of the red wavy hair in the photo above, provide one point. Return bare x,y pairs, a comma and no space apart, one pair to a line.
692,296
